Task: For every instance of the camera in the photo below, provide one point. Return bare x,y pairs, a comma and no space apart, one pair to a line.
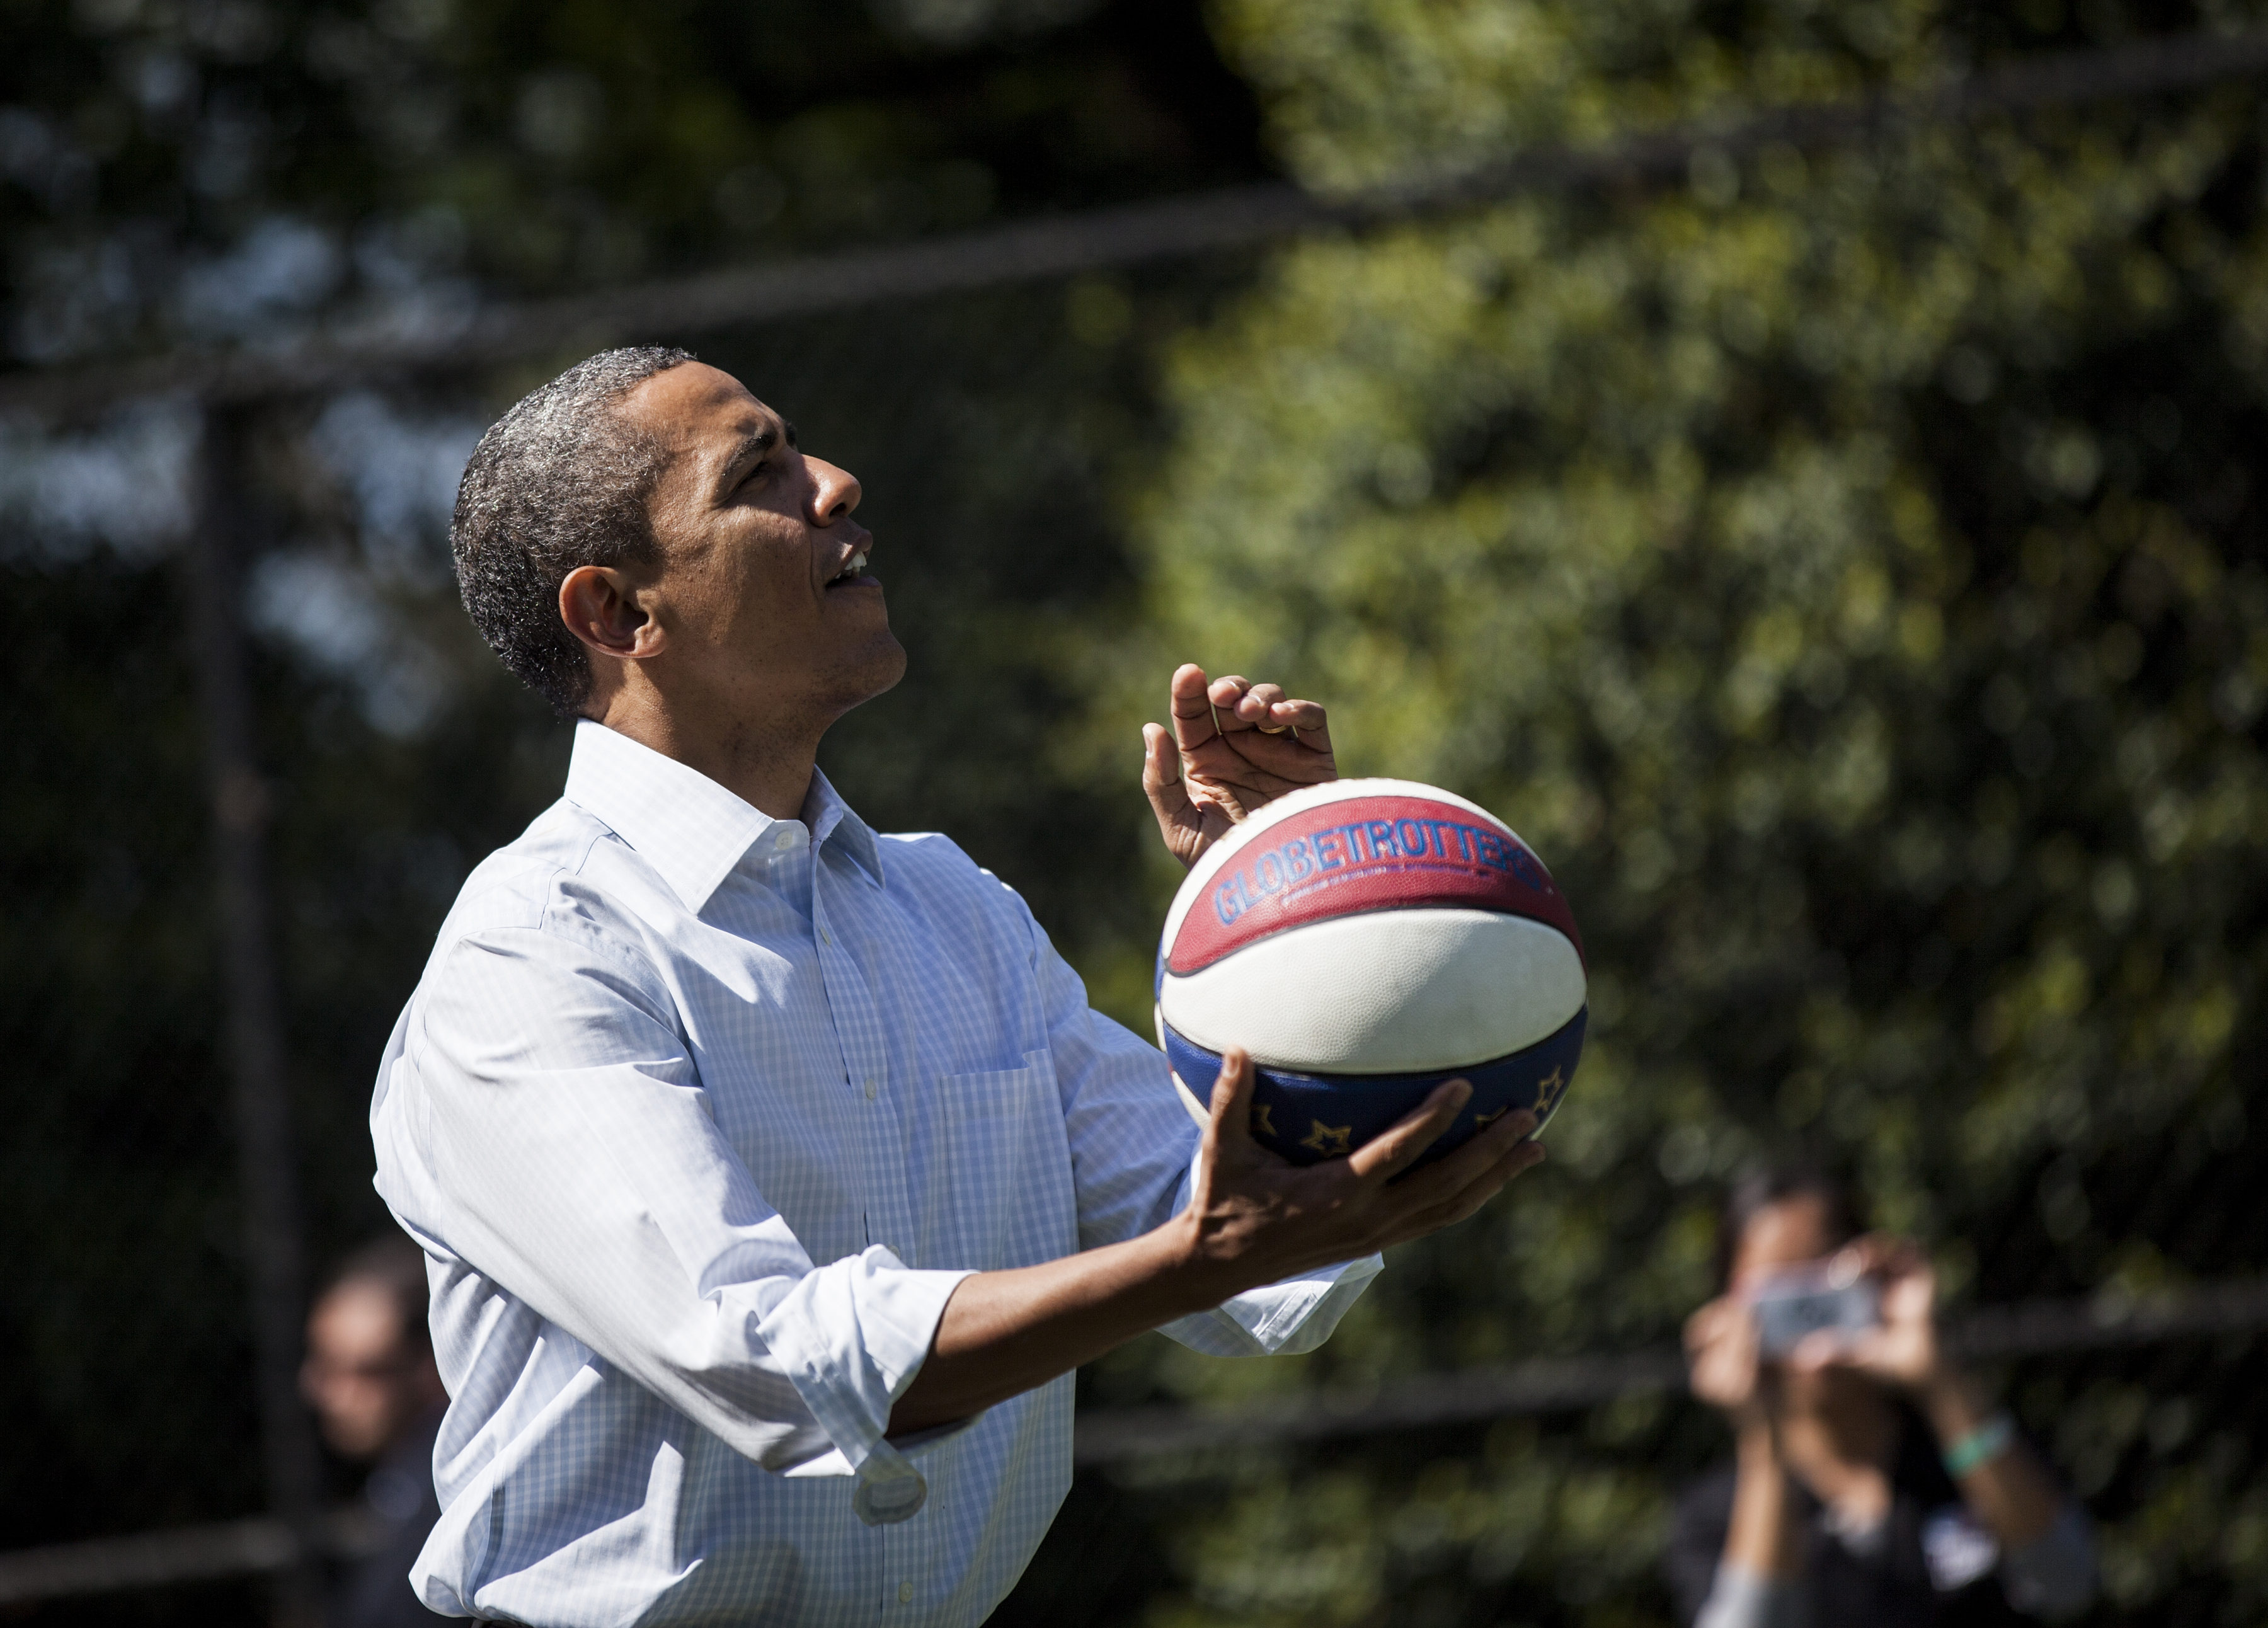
1804,1300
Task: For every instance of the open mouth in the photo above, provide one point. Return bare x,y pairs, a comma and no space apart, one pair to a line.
851,571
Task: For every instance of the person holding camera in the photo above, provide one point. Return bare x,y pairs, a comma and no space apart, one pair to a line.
1872,1483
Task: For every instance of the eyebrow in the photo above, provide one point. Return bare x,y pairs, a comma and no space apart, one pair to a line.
751,448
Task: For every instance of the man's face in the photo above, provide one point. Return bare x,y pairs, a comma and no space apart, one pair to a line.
366,1383
1792,1231
1796,1231
765,624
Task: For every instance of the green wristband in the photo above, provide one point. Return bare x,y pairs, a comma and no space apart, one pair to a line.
1981,1446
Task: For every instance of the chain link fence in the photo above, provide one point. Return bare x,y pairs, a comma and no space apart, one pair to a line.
162,1174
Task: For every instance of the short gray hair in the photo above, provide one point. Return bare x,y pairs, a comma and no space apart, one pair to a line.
559,481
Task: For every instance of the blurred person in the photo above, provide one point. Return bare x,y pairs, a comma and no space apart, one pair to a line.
776,1173
377,1393
1873,1483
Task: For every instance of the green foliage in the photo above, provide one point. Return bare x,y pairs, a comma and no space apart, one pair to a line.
422,148
1847,568
162,167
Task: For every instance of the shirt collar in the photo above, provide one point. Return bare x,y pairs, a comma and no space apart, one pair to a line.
689,829
833,820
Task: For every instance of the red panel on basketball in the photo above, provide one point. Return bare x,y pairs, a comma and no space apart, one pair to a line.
1371,853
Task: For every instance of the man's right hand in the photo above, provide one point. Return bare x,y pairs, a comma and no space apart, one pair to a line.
1723,1360
1255,1218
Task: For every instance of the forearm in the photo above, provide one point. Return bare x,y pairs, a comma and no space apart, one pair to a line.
2010,1491
1758,1580
1766,1537
1004,1333
1251,1220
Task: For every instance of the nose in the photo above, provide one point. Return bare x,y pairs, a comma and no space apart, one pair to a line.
834,493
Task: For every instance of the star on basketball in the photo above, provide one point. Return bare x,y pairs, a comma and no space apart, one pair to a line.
1547,1093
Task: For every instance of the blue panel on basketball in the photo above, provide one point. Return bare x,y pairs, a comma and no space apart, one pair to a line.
1365,940
1306,1118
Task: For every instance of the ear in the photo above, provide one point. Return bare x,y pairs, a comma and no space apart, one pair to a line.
600,605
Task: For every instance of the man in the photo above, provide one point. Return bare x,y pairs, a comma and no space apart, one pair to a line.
1873,1485
370,1377
776,1173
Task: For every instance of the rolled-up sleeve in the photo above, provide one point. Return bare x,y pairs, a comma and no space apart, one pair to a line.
561,1120
1132,1145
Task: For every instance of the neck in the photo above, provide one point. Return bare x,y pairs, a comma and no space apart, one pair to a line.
767,763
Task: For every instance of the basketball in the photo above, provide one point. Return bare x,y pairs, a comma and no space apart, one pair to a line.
1365,940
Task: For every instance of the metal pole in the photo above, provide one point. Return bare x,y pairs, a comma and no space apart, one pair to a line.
275,1260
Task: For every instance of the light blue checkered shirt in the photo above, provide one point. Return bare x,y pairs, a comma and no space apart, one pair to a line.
700,1116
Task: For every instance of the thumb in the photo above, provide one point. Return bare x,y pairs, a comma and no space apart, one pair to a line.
1178,819
1161,773
1229,1129
1161,764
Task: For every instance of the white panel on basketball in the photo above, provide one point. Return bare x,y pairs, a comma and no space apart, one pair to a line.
1386,992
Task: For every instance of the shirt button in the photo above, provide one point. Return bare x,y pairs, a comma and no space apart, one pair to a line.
905,1593
826,937
870,1087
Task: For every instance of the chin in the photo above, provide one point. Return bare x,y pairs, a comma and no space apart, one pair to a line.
874,671
892,663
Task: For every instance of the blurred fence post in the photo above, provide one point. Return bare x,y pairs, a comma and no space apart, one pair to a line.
275,1256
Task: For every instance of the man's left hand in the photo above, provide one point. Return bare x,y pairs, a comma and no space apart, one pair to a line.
1235,747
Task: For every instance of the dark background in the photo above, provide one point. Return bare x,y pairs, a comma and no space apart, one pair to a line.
1036,461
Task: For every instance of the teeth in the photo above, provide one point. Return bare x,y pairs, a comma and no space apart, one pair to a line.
857,563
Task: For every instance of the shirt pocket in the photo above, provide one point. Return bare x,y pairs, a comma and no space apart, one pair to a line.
999,1194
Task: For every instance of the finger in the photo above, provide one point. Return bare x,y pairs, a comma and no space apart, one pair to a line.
1257,705
1468,1200
1516,1164
1302,717
1524,1157
1707,1323
1444,1203
1860,1253
1392,1149
1226,696
1299,753
1440,1182
1882,1257
1194,723
1444,1194
1741,1333
1822,1348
